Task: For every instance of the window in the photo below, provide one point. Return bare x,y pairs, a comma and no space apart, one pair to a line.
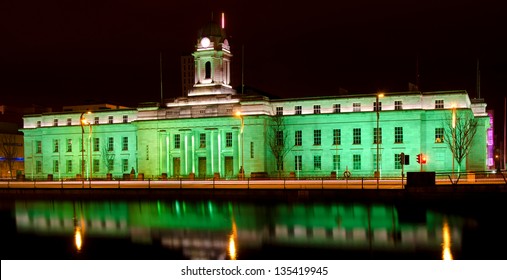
337,136
336,108
228,139
96,120
375,161
397,163
202,140
38,166
356,136
110,164
251,149
69,121
317,162
69,145
377,135
125,144
336,162
96,144
110,144
298,138
439,135
280,166
125,165
39,123
398,105
377,106
177,141
110,119
356,162
96,165
56,166
279,138
38,147
317,137
55,122
125,118
69,166
356,107
398,134
316,109
439,104
298,110
279,111
56,145
207,67
298,163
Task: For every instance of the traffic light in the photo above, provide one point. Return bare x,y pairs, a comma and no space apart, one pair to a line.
421,159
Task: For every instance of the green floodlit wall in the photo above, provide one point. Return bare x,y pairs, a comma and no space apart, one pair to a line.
48,156
157,151
152,151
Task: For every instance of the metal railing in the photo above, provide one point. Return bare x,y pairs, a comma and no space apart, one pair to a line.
275,182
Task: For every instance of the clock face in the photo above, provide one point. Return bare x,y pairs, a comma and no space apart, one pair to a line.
205,42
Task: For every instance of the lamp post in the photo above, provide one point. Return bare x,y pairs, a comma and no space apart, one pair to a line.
377,136
242,170
90,152
82,121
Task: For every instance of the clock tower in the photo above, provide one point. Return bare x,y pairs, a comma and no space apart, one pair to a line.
212,58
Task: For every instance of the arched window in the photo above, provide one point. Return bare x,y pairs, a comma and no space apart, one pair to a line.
207,67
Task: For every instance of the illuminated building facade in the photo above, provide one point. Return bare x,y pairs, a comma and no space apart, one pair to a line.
213,131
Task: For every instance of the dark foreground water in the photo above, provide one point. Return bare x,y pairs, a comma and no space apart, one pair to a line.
180,229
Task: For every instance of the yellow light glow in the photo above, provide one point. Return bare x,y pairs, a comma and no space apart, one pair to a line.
232,247
232,240
380,95
238,113
447,242
78,240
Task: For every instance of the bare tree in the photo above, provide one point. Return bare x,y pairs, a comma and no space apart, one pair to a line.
459,132
278,141
108,158
9,149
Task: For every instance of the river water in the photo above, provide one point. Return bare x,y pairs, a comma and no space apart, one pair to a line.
206,229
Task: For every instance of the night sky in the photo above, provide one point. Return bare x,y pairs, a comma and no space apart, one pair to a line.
69,52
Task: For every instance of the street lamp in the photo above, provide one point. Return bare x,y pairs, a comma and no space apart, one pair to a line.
242,170
377,136
90,151
82,121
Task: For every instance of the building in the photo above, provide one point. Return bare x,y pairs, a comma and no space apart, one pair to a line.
214,131
11,140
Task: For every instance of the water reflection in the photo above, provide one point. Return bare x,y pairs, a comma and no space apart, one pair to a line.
211,230
446,245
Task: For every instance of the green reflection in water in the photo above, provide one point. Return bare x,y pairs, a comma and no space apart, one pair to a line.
212,226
